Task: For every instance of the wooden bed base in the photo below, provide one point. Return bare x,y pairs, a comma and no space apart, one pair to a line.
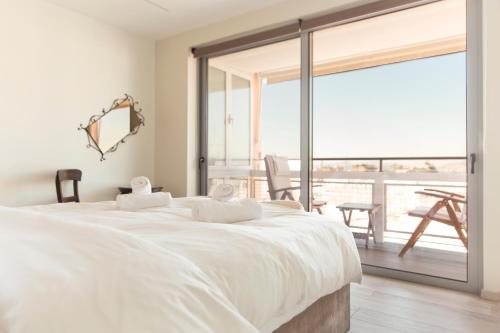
329,314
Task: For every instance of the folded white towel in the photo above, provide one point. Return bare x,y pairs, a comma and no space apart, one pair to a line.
227,212
286,203
281,167
140,185
142,201
223,192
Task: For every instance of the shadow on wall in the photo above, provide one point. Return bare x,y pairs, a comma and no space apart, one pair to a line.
39,189
102,194
26,189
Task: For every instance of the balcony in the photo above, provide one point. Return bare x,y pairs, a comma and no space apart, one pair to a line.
390,182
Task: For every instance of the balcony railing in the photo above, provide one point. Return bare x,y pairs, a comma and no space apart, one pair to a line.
387,180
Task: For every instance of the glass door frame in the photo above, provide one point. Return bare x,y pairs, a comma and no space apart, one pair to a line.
474,143
229,75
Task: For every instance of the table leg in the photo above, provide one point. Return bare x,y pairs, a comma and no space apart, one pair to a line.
370,228
371,218
347,219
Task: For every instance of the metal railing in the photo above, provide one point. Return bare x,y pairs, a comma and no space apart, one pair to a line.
379,176
381,160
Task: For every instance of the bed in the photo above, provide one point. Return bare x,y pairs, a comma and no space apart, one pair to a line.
285,273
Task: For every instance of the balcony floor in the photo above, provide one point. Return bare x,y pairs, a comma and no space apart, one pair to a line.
441,255
446,263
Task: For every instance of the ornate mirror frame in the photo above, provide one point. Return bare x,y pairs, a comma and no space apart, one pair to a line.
117,104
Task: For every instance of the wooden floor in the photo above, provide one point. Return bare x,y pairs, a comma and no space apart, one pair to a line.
435,262
389,306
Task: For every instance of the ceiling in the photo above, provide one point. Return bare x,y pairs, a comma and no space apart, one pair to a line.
440,21
162,18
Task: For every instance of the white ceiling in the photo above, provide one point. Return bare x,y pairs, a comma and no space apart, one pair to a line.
434,22
162,18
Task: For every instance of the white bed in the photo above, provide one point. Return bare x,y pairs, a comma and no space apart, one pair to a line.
257,274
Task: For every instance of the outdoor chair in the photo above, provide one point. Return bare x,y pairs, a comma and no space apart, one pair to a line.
449,209
278,180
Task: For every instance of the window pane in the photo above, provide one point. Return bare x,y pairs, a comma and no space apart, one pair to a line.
419,102
240,121
389,129
280,119
216,117
262,117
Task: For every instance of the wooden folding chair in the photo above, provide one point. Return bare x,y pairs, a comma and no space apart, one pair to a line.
446,210
279,184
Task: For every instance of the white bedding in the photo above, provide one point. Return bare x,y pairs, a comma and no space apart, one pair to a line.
261,272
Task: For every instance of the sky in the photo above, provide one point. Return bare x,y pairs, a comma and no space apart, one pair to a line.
409,109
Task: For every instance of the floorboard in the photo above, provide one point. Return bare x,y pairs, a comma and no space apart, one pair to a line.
434,262
386,305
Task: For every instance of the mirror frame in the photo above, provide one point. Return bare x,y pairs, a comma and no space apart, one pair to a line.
117,104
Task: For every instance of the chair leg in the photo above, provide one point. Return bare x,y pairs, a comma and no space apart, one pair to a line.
419,231
415,236
457,225
462,235
420,234
319,210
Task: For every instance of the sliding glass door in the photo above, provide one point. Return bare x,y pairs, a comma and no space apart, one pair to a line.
376,122
230,122
390,138
253,113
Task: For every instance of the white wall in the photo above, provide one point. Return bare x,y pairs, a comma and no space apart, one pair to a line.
57,68
175,157
491,42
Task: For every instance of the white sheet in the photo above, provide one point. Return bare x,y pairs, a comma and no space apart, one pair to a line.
269,269
59,277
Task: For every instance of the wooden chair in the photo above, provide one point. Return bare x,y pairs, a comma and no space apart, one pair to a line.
446,210
279,184
64,175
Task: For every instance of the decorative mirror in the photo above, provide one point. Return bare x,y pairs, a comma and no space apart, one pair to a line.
107,130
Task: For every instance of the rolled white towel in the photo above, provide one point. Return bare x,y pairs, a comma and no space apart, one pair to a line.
223,192
134,202
227,212
141,185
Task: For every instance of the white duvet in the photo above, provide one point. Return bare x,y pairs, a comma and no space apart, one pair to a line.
97,269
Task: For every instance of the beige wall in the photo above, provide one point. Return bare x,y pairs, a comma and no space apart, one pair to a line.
57,68
491,41
177,111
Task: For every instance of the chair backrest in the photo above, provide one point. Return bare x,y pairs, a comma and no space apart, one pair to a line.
74,175
277,179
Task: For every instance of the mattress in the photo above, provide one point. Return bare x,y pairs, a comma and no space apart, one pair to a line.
263,271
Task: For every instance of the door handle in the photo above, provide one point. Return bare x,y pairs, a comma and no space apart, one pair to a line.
473,163
201,160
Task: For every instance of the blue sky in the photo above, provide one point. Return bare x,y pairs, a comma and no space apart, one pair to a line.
414,108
